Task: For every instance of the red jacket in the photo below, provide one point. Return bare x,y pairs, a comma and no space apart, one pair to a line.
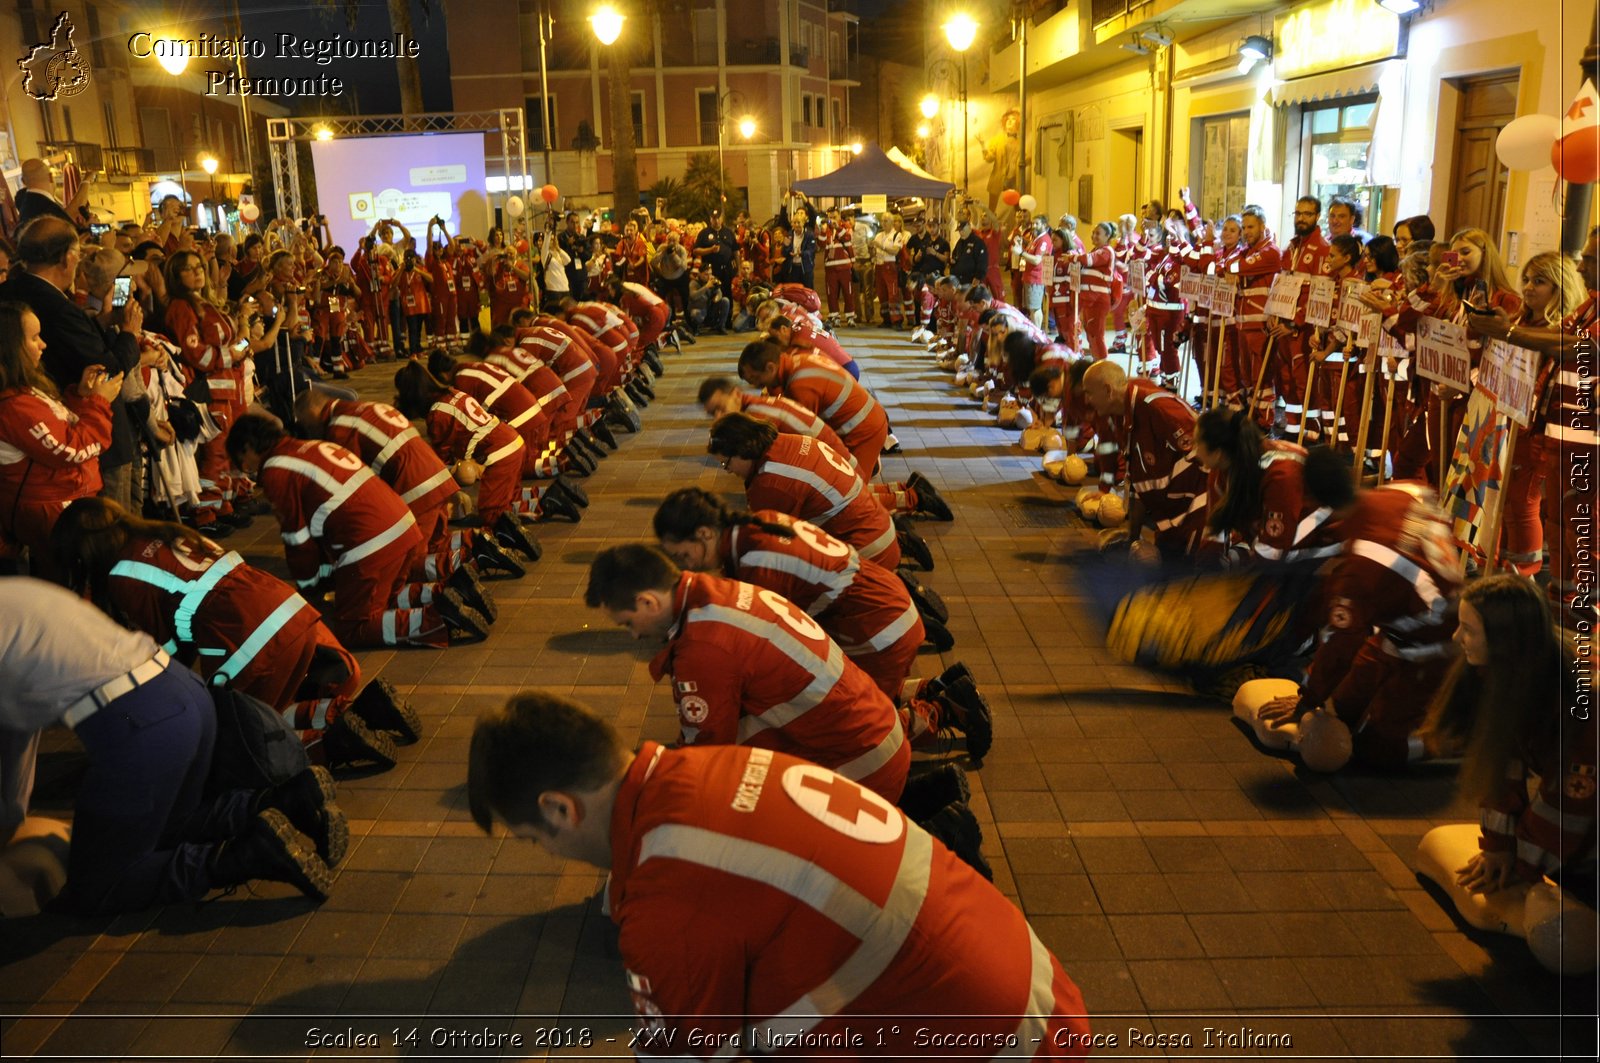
333,511
567,358
607,366
1308,256
800,295
1157,437
498,392
529,370
1395,581
205,346
1255,267
1290,525
823,875
807,479
50,452
385,440
823,388
749,667
1556,824
791,418
861,604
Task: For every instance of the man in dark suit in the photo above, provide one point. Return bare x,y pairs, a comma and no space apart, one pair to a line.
37,197
47,251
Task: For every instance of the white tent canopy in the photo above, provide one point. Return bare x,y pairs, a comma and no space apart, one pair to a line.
902,160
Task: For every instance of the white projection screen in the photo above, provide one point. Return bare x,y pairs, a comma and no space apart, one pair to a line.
410,178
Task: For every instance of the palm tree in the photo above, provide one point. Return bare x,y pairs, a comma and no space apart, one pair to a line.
399,22
624,160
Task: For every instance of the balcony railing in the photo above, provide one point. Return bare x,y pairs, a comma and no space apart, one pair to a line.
843,7
87,156
1103,11
127,162
845,69
764,51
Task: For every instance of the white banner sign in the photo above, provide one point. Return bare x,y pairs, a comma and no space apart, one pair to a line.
1284,300
1442,353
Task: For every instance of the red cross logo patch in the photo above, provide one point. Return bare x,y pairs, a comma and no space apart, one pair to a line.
843,805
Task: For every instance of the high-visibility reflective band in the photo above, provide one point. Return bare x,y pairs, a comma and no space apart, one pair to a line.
337,492
378,542
878,546
842,379
1179,467
832,583
525,416
1498,822
426,487
781,412
505,451
1408,570
1035,1024
497,387
860,415
1196,503
392,635
881,931
823,680
895,630
268,629
862,767
817,484
1565,821
581,368
1537,856
392,447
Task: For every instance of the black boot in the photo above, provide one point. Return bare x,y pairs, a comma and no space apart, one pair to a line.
925,598
969,713
471,588
929,502
589,444
956,826
272,850
926,793
381,708
555,503
913,545
937,635
575,461
510,534
571,490
604,434
308,801
348,740
489,556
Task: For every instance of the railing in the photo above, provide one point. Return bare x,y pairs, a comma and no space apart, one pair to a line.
1103,11
127,162
845,69
843,7
87,156
799,56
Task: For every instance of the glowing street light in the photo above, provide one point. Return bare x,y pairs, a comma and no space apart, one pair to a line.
607,24
923,129
174,60
855,148
929,105
747,127
208,163
961,31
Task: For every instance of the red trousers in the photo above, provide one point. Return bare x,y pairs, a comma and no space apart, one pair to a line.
365,610
216,471
1250,347
1384,699
651,327
1066,321
1094,306
841,289
447,547
1522,533
1161,330
890,666
886,279
1289,360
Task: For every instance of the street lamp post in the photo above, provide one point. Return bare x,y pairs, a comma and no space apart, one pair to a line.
747,129
960,31
607,23
208,163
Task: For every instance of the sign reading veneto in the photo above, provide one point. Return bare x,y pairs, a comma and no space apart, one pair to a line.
1284,299
1319,302
1442,354
1509,373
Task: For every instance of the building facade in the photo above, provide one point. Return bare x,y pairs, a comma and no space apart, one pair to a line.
698,68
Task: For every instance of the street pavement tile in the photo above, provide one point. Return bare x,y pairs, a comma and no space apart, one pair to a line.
1191,886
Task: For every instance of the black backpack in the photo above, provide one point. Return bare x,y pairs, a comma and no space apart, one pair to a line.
256,748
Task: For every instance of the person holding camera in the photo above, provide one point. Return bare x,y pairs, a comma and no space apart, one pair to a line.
414,282
440,262
708,306
554,261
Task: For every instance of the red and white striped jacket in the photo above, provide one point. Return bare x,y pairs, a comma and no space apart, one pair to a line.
1255,267
810,480
1157,440
847,910
1099,266
393,449
333,511
63,438
499,392
605,323
838,243
819,385
790,418
862,605
205,346
460,428
749,667
1557,823
1290,525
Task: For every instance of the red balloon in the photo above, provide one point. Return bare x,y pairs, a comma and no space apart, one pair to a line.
1010,197
549,194
1576,156
522,247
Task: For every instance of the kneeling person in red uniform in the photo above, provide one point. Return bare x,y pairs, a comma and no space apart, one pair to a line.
821,871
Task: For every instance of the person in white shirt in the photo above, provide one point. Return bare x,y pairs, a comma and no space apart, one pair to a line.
886,247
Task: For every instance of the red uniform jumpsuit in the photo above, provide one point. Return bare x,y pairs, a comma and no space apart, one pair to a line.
1386,645
1255,267
648,310
1163,312
1309,256
600,326
469,291
823,874
1060,299
518,408
749,667
49,456
205,344
632,257
442,268
460,429
1094,297
507,291
1290,525
790,418
1198,259
385,440
1157,437
247,630
340,521
838,251
574,370
366,297
800,295
822,387
1556,824
806,479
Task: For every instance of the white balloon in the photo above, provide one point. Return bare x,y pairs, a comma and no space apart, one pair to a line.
1525,143
1027,203
249,212
515,206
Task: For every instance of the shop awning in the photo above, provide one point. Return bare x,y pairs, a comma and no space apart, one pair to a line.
1352,81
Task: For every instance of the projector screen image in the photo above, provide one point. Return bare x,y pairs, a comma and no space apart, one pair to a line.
408,178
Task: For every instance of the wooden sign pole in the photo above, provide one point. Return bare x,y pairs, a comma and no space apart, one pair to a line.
1366,416
1305,404
1338,401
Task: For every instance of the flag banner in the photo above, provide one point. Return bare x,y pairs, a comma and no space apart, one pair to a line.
1284,299
1442,354
1476,475
1319,302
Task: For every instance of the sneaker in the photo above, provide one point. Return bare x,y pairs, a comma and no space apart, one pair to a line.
488,555
380,706
308,801
462,619
937,635
509,533
929,502
927,793
571,490
466,583
272,850
925,598
969,714
348,740
601,431
554,503
958,829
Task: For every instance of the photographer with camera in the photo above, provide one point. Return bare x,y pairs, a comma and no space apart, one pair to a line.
708,305
413,283
554,263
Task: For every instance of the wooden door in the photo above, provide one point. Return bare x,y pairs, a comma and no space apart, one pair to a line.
1478,190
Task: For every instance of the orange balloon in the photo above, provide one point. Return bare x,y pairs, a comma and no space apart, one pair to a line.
549,194
1010,197
1576,156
